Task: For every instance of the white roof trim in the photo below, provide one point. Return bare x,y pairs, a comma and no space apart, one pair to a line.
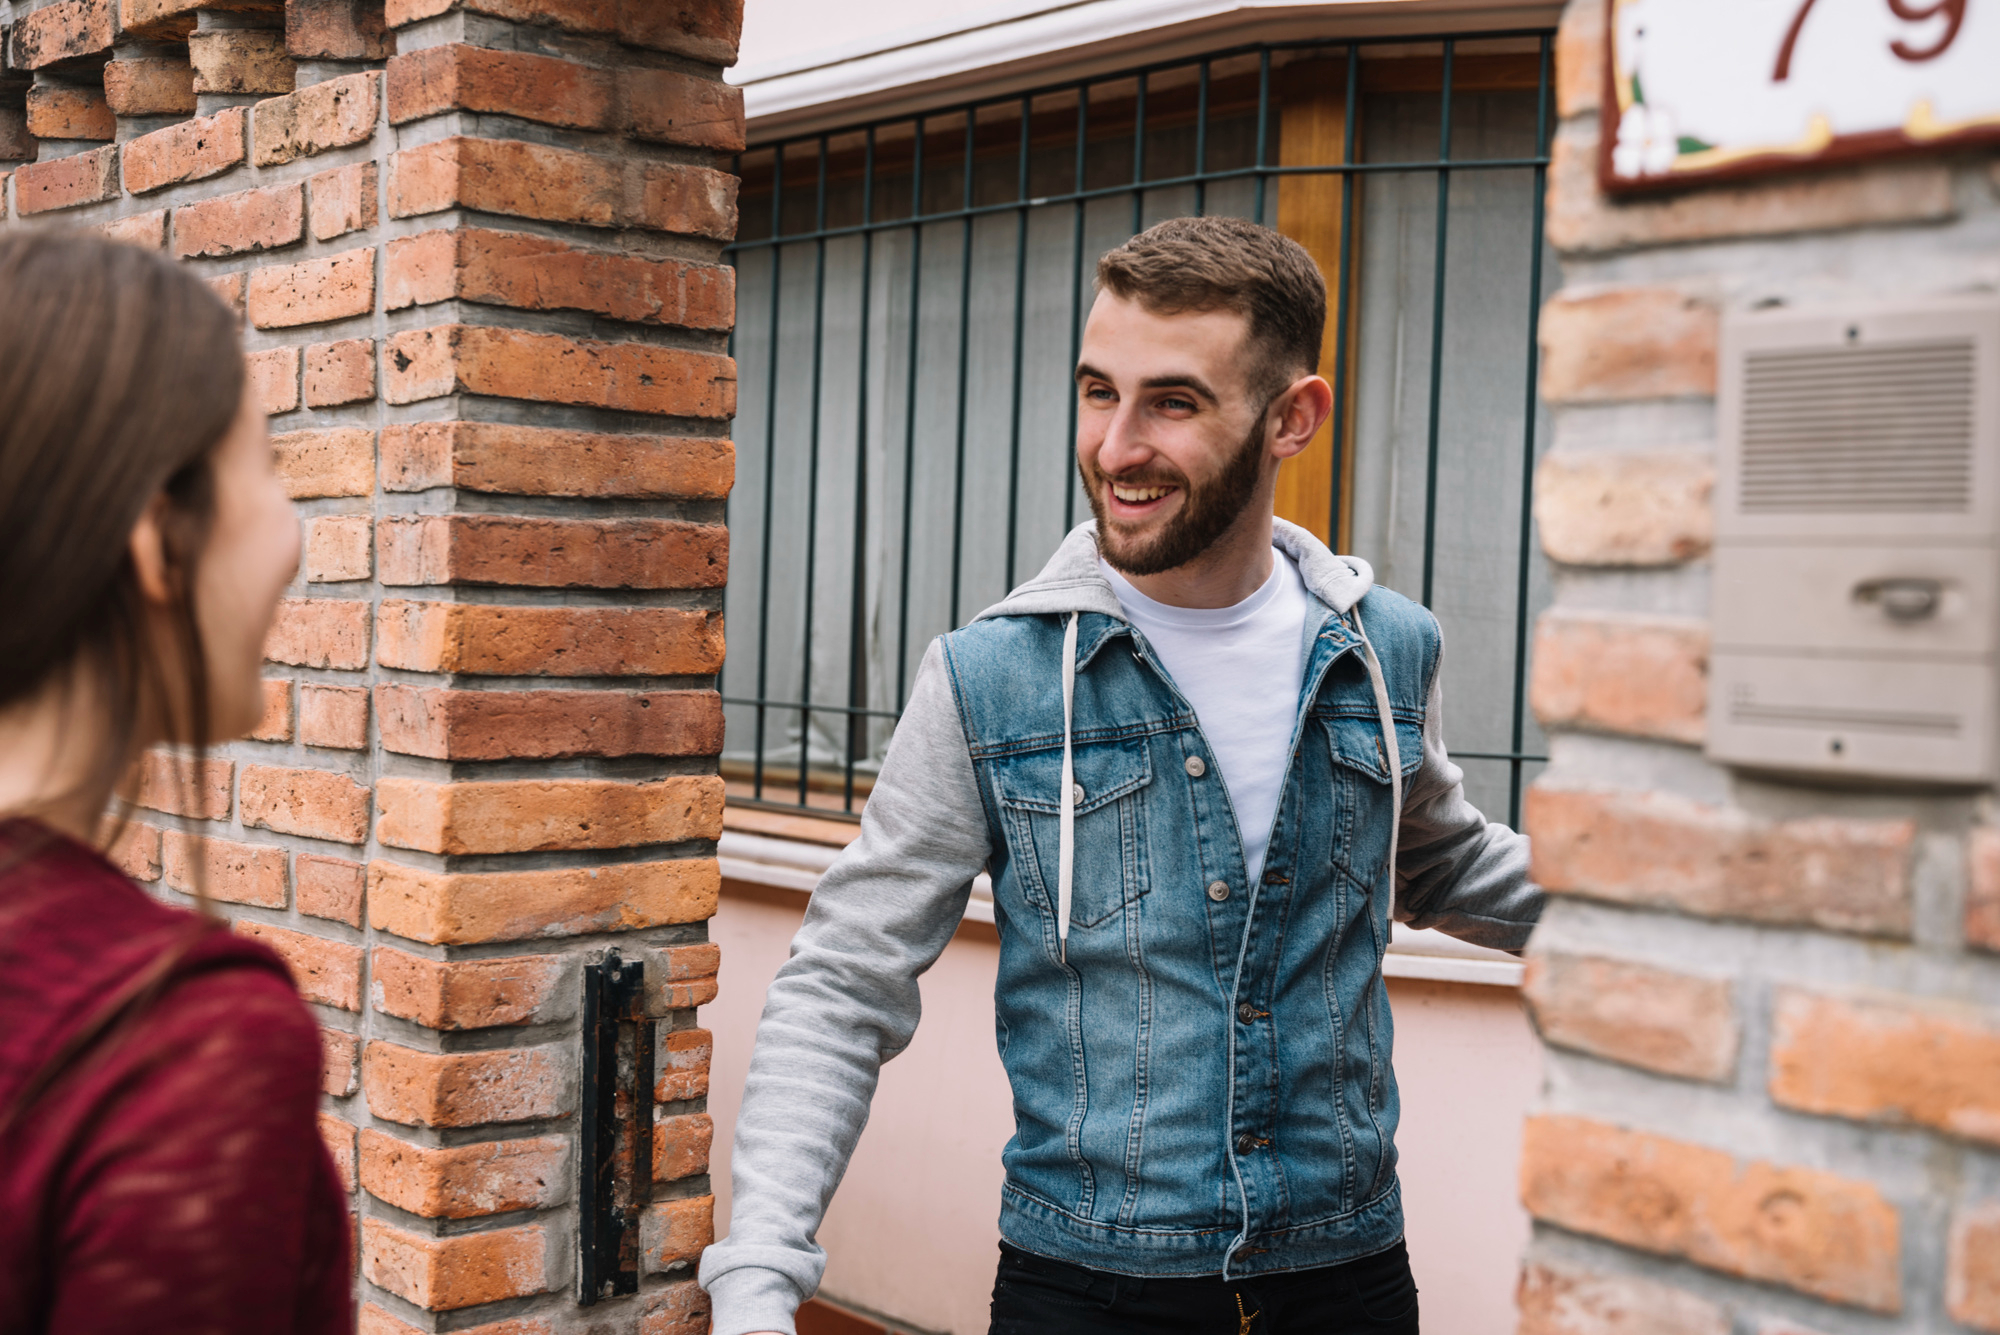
997,51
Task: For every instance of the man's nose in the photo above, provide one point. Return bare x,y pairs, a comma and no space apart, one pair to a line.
1124,446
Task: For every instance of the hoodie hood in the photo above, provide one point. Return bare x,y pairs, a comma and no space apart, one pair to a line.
1071,581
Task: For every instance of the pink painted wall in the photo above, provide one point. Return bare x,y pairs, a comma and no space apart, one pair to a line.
912,1233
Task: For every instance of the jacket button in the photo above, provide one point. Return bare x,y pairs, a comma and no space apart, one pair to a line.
1247,1013
1076,791
1196,767
1245,1143
1218,890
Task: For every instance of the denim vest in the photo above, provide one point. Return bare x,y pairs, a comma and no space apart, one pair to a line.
1204,1084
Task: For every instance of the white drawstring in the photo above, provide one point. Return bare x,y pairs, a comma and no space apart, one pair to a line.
1066,824
1394,756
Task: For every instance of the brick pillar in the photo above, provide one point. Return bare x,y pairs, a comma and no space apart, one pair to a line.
1771,1008
477,255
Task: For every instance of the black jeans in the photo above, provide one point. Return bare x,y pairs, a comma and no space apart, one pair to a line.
1375,1295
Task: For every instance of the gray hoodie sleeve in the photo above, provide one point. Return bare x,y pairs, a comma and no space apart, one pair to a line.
1456,870
844,1003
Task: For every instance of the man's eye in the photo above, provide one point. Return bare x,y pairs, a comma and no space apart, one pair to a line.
1178,405
1099,393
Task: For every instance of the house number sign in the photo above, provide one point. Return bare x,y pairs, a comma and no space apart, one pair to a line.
1699,89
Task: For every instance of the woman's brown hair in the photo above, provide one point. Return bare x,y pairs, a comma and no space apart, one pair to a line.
120,373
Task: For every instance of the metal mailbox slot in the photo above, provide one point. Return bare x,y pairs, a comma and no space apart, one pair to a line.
1857,552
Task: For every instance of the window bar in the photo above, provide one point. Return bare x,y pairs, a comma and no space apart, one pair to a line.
1528,450
770,471
1201,143
1020,322
857,649
1346,287
1076,289
1437,328
1139,158
910,408
1263,124
964,356
812,480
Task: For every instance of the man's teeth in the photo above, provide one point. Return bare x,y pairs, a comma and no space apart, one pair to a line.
1138,495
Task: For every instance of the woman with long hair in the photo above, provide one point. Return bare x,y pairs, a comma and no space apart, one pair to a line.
160,1166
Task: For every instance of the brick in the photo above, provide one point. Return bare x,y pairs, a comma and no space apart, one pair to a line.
464,1270
310,802
337,373
456,995
191,151
317,118
336,287
1611,344
465,1181
1658,1019
549,368
1972,1269
678,1309
1580,58
1557,1298
545,725
681,978
136,851
544,815
706,30
681,1072
1665,851
276,724
450,1089
546,461
252,220
274,375
334,716
1982,898
550,184
527,272
179,787
1888,1059
61,31
1625,508
150,88
1809,1230
338,548
339,1138
230,872
228,289
145,230
681,1145
66,183
671,107
484,639
16,144
168,19
507,83
375,1321
319,633
328,972
340,1062
1582,219
331,888
552,553
240,60
339,461
673,1233
1622,673
335,30
70,111
342,200
464,908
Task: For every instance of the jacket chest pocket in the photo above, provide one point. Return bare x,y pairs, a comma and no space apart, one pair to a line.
1356,746
1109,842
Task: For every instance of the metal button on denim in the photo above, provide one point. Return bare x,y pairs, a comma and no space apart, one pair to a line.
1247,1013
1076,791
1245,1143
1196,767
1218,890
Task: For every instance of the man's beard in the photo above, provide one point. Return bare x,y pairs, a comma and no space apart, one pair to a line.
1206,511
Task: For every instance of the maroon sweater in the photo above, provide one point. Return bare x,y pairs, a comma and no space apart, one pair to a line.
173,1180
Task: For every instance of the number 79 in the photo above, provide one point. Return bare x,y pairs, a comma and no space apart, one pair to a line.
1954,15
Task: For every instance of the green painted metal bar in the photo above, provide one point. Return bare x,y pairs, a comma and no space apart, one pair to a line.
807,593
857,596
1440,254
770,471
910,409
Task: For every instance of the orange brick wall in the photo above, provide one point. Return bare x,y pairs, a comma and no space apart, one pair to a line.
1771,1010
476,248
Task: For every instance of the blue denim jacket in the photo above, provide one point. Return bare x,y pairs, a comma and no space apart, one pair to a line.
1203,1084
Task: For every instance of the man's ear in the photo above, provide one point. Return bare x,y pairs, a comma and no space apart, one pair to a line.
148,546
1300,411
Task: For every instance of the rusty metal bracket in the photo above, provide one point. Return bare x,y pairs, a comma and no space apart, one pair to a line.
615,1161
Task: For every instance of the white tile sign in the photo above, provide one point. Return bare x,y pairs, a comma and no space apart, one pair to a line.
1705,88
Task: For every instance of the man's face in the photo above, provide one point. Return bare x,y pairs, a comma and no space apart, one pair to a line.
1170,438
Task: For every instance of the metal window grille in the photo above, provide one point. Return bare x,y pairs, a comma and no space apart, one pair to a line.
912,294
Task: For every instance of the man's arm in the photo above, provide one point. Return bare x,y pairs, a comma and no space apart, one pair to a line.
1455,870
844,1003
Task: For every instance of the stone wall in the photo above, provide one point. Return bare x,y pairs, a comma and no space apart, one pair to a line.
1771,1009
476,248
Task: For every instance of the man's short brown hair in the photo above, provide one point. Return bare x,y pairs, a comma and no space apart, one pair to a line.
1218,263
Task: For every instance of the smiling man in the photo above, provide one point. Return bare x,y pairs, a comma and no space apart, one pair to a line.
1200,757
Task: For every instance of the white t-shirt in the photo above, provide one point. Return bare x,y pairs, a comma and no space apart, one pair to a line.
1241,668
